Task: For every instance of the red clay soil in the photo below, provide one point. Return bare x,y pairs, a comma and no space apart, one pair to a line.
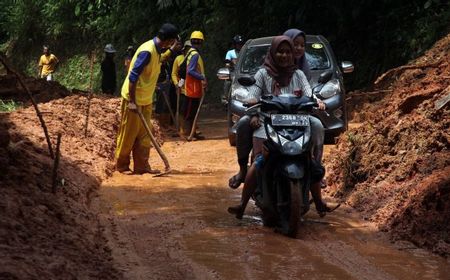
395,167
41,90
46,235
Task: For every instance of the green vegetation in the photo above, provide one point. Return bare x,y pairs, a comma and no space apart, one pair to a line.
9,105
375,35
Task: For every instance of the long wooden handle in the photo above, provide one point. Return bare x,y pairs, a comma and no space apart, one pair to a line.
166,98
177,113
194,124
155,144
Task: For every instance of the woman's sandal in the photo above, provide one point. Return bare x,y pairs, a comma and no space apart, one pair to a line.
237,211
324,209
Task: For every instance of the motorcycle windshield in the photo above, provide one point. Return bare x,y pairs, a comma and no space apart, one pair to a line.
283,104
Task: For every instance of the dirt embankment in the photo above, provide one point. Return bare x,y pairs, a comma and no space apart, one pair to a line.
395,167
46,235
42,90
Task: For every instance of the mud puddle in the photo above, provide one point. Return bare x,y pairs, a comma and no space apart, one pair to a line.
177,227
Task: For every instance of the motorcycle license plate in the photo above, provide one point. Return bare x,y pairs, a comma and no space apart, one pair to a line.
289,120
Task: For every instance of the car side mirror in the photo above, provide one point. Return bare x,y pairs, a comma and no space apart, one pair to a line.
246,81
325,77
223,74
347,66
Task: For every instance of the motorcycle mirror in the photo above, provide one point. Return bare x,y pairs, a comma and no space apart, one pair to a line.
325,77
246,81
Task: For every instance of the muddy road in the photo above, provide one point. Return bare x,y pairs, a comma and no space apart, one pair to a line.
177,227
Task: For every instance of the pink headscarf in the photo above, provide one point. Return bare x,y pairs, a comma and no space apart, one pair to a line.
281,75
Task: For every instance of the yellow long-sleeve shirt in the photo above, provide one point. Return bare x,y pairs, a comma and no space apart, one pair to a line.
176,66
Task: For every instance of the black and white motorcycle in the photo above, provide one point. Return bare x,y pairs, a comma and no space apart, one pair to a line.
286,170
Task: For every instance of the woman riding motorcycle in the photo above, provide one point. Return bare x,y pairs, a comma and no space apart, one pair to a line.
280,77
243,129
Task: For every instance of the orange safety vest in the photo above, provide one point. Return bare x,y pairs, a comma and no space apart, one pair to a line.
194,87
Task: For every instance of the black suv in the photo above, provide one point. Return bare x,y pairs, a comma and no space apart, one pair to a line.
321,59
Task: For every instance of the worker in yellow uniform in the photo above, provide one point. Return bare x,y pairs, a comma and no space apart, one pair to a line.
137,95
178,79
195,82
47,64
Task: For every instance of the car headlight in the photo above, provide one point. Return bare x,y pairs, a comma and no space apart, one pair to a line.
330,89
239,93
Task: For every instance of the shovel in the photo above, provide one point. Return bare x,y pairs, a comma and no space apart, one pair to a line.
194,124
157,147
166,99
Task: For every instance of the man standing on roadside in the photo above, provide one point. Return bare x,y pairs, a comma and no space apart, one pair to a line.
137,95
178,79
47,64
108,68
195,82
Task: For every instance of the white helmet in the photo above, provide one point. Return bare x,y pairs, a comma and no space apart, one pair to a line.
109,48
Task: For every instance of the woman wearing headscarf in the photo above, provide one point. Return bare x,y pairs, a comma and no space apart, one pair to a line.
279,76
299,39
243,130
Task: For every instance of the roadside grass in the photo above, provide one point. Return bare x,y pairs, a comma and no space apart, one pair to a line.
9,105
75,72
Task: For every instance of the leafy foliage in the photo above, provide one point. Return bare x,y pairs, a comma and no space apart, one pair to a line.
9,105
375,35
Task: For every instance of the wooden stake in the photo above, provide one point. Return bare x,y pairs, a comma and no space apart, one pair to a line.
90,95
55,165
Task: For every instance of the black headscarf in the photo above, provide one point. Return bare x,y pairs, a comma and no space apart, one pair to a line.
301,62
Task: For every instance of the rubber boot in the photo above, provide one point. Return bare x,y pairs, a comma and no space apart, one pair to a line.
123,164
140,158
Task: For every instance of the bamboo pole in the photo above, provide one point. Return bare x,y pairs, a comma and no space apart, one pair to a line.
56,164
39,114
90,95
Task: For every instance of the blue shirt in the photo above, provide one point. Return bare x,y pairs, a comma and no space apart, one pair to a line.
192,67
231,54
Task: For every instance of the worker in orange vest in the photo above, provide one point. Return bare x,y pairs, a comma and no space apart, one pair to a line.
195,82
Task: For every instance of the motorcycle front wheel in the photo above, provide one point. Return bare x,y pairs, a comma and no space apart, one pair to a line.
295,187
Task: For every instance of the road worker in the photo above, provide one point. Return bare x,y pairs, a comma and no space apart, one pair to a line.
195,83
137,96
179,79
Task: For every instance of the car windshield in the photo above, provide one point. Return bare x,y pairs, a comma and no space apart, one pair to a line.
316,56
254,57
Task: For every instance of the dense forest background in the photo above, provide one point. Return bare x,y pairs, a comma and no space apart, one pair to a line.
374,34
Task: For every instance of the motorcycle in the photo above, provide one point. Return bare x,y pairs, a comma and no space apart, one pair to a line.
286,170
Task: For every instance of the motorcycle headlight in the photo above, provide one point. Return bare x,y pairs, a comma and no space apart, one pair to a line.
330,89
291,147
273,134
